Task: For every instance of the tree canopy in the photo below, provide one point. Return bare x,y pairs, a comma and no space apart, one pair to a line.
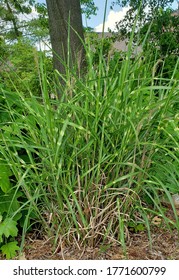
13,15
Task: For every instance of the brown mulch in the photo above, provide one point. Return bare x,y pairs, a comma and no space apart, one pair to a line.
165,245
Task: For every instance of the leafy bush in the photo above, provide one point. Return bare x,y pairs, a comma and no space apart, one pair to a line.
20,69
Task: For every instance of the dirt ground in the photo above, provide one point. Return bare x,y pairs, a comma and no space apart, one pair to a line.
165,246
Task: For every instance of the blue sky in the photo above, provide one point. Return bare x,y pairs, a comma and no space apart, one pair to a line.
112,16
95,20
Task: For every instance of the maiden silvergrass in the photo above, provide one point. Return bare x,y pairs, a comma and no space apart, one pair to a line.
94,156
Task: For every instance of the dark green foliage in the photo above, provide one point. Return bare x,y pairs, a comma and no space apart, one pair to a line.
136,4
88,8
157,31
163,36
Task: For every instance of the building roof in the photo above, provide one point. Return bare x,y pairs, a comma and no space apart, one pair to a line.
119,45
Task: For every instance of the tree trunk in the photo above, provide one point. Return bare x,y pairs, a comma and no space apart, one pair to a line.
66,33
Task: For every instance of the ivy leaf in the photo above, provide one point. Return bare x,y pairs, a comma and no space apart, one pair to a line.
8,228
9,249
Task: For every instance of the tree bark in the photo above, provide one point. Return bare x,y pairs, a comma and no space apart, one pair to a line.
66,33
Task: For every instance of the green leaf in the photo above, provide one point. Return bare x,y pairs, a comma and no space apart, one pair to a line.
9,249
9,202
139,227
8,228
5,172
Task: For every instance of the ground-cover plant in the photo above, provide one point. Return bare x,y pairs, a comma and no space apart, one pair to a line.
8,206
90,162
14,206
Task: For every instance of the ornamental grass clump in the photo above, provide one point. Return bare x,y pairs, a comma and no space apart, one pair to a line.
97,161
